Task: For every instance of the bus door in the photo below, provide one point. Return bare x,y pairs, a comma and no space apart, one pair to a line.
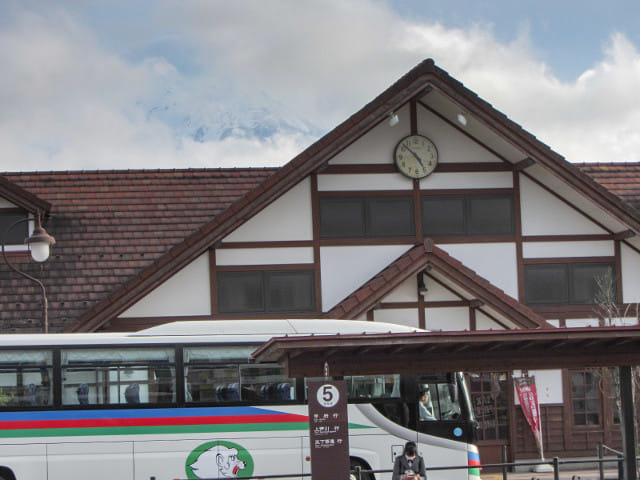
437,408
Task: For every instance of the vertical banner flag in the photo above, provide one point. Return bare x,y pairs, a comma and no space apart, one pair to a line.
528,397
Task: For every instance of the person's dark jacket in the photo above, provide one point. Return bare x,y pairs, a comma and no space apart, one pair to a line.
402,464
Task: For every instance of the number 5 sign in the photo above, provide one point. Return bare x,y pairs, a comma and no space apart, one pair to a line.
328,429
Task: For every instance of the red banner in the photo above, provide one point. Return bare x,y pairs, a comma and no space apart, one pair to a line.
528,396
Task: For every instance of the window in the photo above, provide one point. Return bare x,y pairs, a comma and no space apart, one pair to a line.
467,215
568,283
210,378
490,406
585,398
18,233
356,217
118,376
266,291
25,378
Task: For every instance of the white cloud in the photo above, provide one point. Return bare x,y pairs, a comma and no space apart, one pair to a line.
74,96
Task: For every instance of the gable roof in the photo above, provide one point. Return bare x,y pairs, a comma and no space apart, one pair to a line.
109,226
621,179
22,198
429,257
416,83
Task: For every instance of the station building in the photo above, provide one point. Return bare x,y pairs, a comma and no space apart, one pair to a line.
428,208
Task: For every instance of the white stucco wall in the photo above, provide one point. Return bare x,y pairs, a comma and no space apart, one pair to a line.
373,181
484,322
264,256
548,385
344,269
4,203
288,218
447,318
400,316
407,291
630,275
438,293
567,249
437,181
185,293
545,214
496,262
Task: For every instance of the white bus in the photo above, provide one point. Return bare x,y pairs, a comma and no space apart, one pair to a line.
184,400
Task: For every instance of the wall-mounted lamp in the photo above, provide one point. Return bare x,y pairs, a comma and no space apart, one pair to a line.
462,119
39,244
393,119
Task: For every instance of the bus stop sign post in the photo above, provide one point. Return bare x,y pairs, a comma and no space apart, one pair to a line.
328,430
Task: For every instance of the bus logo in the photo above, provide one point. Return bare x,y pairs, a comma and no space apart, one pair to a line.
219,459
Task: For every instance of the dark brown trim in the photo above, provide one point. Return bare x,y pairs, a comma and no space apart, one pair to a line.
413,116
384,168
494,319
618,262
22,198
596,237
266,244
365,193
13,210
563,260
623,235
468,191
213,281
315,221
396,305
248,268
632,247
336,242
424,304
417,211
571,312
370,316
474,239
465,133
544,187
472,319
517,226
522,164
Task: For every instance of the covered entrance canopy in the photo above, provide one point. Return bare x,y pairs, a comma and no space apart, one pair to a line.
466,351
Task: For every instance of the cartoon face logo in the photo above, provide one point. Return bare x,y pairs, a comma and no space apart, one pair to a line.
219,459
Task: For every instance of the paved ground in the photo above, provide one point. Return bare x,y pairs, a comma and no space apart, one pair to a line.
564,475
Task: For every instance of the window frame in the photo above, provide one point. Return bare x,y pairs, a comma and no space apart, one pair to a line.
266,276
367,212
467,200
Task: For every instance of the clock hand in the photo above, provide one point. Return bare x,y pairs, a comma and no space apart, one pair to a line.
417,157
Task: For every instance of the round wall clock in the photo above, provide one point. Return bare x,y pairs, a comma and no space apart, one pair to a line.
416,156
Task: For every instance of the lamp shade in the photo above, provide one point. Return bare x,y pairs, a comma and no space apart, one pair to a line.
40,243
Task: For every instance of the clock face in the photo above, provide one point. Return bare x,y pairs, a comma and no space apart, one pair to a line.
416,156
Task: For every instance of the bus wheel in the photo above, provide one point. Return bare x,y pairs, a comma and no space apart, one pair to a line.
356,462
6,474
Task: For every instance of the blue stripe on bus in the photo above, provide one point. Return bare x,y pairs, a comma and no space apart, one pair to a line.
133,413
474,456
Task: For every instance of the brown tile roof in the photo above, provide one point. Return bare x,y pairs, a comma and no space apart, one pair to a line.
621,178
109,226
418,81
429,256
22,198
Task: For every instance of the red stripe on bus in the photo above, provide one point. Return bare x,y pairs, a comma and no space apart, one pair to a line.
140,422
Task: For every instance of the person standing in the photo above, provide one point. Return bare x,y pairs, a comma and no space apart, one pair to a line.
409,465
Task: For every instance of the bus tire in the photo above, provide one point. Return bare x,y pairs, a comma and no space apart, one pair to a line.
6,474
358,462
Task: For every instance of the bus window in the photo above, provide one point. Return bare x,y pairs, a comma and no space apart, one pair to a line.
266,383
373,386
437,401
25,378
118,376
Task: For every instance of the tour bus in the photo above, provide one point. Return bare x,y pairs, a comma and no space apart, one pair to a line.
185,400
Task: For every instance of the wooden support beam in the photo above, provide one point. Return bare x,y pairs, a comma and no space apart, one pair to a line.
522,164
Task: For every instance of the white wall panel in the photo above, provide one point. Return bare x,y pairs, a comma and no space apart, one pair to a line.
344,269
548,385
437,293
400,316
582,322
567,249
378,145
485,323
496,262
264,256
185,293
544,214
467,180
630,275
4,203
449,318
367,181
451,144
288,218
407,291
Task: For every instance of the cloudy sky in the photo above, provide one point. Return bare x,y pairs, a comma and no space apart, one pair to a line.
119,83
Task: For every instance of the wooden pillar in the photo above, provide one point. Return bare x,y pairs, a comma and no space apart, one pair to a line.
628,423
